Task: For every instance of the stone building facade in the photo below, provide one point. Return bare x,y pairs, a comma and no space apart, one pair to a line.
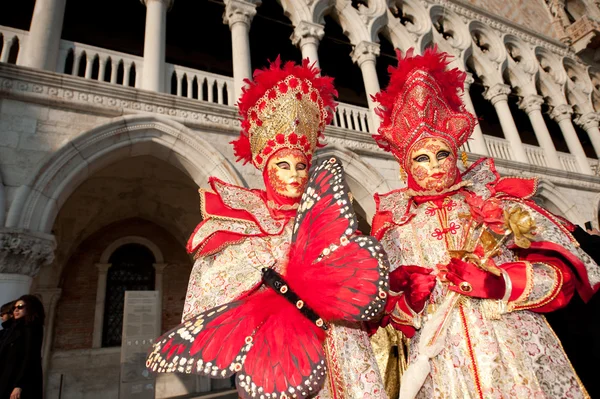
102,152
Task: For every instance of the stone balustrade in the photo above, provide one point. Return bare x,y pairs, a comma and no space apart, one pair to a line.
535,155
499,148
353,118
109,66
200,85
99,64
11,41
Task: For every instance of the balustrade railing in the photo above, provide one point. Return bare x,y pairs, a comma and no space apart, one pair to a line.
498,147
109,66
11,41
568,162
200,85
95,63
535,155
352,117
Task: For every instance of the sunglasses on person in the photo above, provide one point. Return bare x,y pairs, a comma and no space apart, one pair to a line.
19,306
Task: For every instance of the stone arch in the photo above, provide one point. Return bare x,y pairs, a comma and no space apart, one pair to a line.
487,56
549,192
450,33
522,66
37,203
551,78
362,25
158,256
363,179
579,86
410,27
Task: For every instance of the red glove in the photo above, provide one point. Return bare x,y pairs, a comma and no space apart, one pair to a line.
416,283
468,279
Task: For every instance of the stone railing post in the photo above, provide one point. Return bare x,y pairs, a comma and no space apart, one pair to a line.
155,40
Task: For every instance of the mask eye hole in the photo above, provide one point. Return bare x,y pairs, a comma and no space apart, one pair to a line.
283,165
442,154
421,158
301,166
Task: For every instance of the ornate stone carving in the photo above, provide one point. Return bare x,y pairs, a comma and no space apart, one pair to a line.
365,51
531,103
307,32
498,92
239,11
588,121
469,79
561,112
24,252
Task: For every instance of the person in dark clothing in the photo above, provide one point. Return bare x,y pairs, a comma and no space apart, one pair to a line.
578,326
6,313
20,351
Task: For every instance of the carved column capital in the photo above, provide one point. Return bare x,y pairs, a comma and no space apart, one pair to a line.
561,112
365,51
588,121
24,252
498,92
531,103
239,11
49,296
307,32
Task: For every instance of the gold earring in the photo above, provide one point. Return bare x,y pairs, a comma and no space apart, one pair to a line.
464,158
403,175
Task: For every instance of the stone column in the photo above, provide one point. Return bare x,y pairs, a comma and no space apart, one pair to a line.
562,115
43,43
589,123
22,254
100,301
155,44
49,297
307,36
365,55
498,96
238,15
532,105
159,270
477,141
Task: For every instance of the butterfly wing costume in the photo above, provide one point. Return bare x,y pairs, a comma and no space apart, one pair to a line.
278,292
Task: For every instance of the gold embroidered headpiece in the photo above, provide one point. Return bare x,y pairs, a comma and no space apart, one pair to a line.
422,101
285,107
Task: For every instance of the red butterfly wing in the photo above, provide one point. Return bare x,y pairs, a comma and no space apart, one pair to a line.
340,276
325,213
286,358
214,342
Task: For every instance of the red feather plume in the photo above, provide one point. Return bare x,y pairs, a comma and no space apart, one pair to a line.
266,78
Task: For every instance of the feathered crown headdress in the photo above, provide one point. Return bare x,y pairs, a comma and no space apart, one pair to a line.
283,107
422,101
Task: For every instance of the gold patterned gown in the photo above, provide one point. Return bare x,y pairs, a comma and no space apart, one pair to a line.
515,355
234,270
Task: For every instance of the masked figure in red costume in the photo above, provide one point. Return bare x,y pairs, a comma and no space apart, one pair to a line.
474,261
285,110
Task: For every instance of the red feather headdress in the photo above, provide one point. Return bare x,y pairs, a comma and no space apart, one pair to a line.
422,100
283,107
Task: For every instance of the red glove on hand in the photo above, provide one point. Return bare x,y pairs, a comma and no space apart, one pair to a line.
416,283
468,279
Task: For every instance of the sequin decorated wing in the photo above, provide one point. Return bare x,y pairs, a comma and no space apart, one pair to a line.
263,338
339,274
211,343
